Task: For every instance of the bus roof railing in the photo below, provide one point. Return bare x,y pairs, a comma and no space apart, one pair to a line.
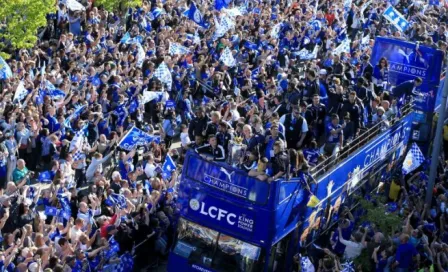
358,142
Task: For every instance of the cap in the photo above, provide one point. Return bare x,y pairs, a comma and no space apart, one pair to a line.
322,72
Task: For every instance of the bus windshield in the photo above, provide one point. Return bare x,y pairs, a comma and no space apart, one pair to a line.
209,248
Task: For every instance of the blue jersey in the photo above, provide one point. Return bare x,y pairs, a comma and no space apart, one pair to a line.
333,139
311,155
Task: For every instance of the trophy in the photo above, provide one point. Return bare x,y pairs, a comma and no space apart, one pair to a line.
236,151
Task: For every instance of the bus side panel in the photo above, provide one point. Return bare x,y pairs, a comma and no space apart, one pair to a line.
177,263
245,223
291,208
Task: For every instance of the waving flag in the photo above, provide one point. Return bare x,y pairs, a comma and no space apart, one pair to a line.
164,75
51,211
396,19
413,159
156,12
5,70
275,32
45,177
75,115
227,58
55,94
167,167
128,40
21,92
140,55
136,136
344,47
255,72
113,250
307,55
347,7
220,4
250,45
226,24
116,199
150,96
74,5
177,49
434,2
365,42
195,15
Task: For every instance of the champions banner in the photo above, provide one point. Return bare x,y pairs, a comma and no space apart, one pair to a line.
407,62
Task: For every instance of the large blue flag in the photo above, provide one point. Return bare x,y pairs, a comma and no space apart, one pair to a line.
195,15
135,137
167,167
5,70
413,159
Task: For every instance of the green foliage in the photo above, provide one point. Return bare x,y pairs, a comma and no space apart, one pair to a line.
378,215
383,220
114,5
22,20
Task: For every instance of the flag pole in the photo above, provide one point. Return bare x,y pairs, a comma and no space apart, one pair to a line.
437,143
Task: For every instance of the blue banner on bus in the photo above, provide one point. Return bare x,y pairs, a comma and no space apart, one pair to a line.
227,179
408,61
228,216
359,164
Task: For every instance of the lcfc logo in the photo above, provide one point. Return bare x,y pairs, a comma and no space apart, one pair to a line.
194,204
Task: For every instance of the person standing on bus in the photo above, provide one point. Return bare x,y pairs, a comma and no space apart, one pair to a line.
335,137
271,138
296,127
212,151
279,164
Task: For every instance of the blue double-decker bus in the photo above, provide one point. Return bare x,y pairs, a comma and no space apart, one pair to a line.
232,222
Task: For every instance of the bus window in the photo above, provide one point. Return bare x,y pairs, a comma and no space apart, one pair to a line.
196,243
235,255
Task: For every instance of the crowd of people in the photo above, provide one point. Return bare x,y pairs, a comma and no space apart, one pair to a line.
95,74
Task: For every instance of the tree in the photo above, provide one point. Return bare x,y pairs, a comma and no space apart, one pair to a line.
114,5
22,20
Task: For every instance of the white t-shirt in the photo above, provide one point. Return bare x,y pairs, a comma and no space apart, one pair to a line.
150,170
75,233
185,139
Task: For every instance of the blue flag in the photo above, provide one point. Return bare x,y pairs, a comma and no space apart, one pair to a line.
51,211
250,45
167,167
434,2
170,104
136,136
75,115
220,4
45,177
195,15
5,70
116,199
55,94
413,159
396,18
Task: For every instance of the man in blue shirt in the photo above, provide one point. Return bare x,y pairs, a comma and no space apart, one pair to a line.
405,254
335,137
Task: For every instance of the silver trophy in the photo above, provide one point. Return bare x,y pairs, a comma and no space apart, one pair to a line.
236,151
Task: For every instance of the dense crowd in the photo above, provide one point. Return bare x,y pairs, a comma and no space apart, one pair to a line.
267,75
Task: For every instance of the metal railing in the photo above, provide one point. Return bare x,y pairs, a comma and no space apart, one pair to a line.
358,142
